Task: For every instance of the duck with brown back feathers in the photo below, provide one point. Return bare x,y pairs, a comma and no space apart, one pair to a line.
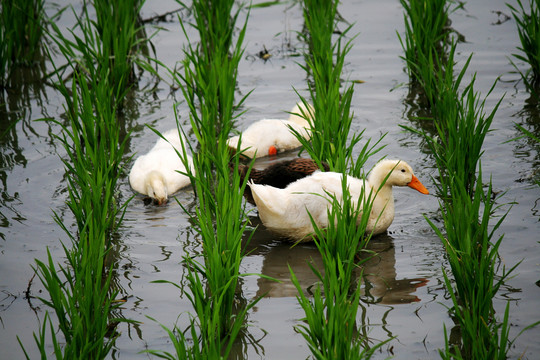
279,174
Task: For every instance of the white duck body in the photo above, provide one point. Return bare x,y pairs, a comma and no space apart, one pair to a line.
156,173
264,134
285,211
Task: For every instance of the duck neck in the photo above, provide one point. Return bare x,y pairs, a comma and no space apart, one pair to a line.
384,197
156,185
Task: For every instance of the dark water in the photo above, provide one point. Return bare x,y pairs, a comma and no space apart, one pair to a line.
404,296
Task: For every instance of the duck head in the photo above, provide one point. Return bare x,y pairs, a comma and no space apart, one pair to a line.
156,188
399,174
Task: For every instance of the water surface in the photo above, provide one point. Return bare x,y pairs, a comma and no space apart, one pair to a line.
404,296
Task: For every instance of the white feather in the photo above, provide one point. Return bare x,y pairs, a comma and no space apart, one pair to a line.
262,134
156,173
286,211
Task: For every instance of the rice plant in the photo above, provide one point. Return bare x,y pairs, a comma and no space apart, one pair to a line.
80,292
426,33
21,32
331,328
472,250
100,49
528,24
461,126
330,118
120,30
208,82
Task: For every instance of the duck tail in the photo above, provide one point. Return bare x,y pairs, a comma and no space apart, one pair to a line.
270,201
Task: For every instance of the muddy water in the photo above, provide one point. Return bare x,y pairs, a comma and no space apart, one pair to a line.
403,292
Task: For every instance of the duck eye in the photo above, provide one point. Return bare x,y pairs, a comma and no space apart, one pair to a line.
403,170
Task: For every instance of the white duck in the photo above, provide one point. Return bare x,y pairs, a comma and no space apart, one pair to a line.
156,173
285,211
271,136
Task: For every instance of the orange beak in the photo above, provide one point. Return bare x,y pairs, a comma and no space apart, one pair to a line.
272,150
160,202
417,185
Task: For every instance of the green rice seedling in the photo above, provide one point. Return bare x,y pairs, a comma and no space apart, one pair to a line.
211,70
100,49
220,220
435,75
435,78
472,251
460,139
206,340
461,126
426,32
528,24
208,83
21,32
330,329
119,27
331,315
179,342
346,235
80,292
331,321
330,119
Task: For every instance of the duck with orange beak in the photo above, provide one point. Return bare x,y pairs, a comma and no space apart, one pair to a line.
289,211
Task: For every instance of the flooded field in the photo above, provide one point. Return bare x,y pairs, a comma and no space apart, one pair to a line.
403,292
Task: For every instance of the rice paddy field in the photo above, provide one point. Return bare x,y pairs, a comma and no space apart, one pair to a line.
403,299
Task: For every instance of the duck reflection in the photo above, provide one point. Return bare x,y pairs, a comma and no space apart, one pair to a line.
379,278
379,281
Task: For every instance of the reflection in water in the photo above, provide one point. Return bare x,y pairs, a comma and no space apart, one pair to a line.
380,278
380,282
246,342
24,88
527,147
416,111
